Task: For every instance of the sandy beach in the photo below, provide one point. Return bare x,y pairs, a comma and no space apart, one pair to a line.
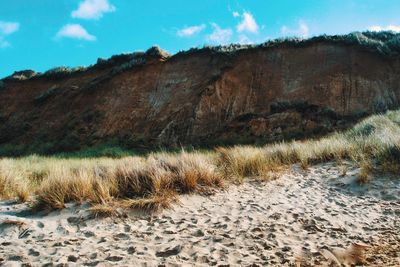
315,217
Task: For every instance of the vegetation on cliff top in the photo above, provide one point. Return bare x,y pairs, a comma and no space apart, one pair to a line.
386,43
154,181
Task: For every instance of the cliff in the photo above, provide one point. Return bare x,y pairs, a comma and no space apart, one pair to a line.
278,90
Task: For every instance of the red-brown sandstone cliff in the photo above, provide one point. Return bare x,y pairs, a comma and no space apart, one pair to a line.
203,96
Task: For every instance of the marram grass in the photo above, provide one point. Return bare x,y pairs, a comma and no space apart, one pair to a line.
154,181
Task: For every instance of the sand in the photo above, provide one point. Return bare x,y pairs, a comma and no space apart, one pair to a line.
315,217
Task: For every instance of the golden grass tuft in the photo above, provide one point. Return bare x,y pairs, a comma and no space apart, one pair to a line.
364,176
13,185
23,196
64,186
239,162
183,173
343,170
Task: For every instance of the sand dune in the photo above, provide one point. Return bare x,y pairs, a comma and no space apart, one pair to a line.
305,218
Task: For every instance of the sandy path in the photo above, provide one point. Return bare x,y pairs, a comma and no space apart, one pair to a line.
297,216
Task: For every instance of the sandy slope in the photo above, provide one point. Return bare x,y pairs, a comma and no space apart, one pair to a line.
300,217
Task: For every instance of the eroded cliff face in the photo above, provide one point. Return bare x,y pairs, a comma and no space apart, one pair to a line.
201,97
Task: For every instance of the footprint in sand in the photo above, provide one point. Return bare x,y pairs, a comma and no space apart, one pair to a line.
127,228
40,225
33,252
131,250
198,233
170,251
114,258
121,236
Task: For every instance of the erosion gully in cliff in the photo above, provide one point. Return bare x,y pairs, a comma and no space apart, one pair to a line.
282,89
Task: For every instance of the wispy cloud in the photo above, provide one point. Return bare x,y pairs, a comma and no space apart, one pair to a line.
4,43
75,31
219,35
376,28
248,23
301,30
190,31
235,14
7,28
93,9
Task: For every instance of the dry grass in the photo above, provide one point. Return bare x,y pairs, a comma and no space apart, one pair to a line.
155,181
373,142
153,203
147,183
343,170
366,168
239,162
12,184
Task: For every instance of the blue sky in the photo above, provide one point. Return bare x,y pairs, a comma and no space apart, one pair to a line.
41,34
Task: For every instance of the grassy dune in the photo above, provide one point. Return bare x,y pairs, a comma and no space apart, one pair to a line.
155,181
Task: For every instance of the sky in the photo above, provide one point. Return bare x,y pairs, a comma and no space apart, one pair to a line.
42,34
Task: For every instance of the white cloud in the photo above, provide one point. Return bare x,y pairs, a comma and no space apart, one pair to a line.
302,30
7,28
189,31
248,24
235,14
219,35
75,31
92,9
394,28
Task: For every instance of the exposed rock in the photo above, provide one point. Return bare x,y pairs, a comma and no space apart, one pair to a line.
22,75
157,52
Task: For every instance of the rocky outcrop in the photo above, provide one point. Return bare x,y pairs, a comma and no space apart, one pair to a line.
278,90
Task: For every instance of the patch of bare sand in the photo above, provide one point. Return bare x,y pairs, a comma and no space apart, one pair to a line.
305,218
